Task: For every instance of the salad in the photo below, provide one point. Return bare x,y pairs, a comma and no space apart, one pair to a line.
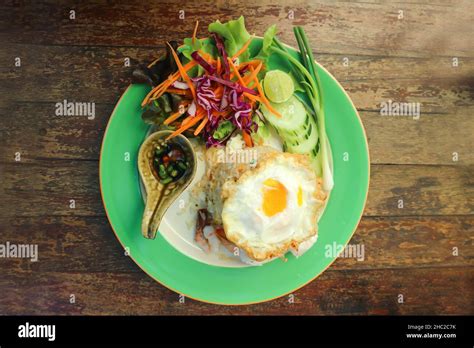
215,87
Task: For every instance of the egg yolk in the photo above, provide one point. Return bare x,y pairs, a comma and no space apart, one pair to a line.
300,196
274,197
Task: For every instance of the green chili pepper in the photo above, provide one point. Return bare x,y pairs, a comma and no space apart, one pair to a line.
182,165
166,181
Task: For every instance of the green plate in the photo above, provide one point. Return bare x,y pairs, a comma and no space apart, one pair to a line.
119,180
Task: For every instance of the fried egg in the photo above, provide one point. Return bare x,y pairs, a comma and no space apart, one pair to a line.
274,207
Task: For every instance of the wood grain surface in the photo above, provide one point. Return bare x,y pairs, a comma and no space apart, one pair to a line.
378,51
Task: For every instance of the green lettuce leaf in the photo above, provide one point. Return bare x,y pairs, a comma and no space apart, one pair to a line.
270,33
223,129
205,45
235,35
262,133
268,37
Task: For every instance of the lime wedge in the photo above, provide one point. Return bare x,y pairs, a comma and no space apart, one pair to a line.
278,86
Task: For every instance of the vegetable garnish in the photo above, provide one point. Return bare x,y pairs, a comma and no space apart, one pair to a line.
187,123
243,49
173,117
236,71
201,126
195,31
223,53
225,90
200,60
251,77
158,71
308,77
169,162
163,86
218,86
317,101
183,72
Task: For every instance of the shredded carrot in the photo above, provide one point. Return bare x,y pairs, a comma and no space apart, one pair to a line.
253,63
153,63
253,97
218,65
189,124
252,103
183,72
149,95
158,92
161,88
251,85
199,113
186,120
242,49
247,139
207,57
201,126
253,74
173,117
166,82
236,71
218,91
263,101
221,113
176,115
178,91
195,31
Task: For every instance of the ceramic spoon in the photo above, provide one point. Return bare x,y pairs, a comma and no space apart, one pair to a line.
161,195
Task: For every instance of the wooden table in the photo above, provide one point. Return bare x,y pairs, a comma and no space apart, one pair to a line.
404,52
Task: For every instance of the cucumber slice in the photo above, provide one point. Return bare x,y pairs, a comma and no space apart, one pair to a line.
309,147
304,145
309,129
297,129
278,86
293,115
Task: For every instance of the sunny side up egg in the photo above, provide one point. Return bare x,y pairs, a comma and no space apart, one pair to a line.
273,207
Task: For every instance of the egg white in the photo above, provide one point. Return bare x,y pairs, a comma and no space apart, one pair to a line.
263,237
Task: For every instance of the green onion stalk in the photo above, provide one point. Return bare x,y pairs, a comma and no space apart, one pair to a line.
309,77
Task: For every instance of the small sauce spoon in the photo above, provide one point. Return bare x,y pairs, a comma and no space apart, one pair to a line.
166,168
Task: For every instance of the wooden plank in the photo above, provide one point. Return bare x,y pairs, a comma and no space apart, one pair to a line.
48,186
88,244
82,244
34,130
425,190
442,90
408,250
334,292
98,74
434,139
426,29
